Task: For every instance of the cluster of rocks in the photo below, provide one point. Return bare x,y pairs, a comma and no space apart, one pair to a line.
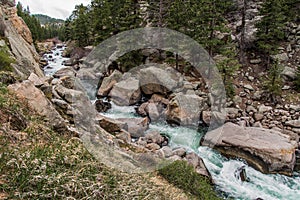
134,131
169,96
181,102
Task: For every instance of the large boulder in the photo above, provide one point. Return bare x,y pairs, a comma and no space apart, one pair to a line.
185,109
126,92
108,83
153,110
112,126
267,150
194,160
38,102
136,126
156,80
66,71
69,95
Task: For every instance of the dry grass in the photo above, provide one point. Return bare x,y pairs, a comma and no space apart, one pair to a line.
38,163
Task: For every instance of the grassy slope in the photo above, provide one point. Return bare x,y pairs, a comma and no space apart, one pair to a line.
37,163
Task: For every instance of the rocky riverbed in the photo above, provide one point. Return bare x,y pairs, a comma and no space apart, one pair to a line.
134,110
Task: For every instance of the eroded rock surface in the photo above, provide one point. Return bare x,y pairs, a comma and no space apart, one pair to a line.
267,150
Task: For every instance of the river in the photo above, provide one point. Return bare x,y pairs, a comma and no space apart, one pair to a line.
267,187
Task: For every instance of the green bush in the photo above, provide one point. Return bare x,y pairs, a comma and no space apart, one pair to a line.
5,61
185,177
273,83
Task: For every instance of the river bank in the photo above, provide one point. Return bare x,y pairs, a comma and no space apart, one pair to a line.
222,169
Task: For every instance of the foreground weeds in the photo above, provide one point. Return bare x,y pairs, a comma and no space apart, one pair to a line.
38,163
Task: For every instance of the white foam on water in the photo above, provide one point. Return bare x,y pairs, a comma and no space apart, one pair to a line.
273,186
120,112
223,170
56,62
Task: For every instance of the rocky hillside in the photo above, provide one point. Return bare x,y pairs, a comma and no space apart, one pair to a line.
17,37
41,153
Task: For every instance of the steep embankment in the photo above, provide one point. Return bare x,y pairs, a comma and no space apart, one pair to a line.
17,37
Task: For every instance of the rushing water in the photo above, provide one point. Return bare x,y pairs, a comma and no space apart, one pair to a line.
267,187
55,61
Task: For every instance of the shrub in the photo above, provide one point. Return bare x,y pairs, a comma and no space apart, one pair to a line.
185,177
5,61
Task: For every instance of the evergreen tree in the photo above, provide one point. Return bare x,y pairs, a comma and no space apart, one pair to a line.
273,83
227,66
270,27
80,25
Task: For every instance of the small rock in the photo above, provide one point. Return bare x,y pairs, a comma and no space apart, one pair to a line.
179,151
255,61
153,146
66,71
263,109
251,109
102,106
108,83
295,107
289,73
293,123
154,137
249,87
111,125
281,57
136,126
124,136
37,81
166,152
258,116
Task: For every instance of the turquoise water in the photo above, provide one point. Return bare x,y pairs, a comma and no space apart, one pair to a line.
267,187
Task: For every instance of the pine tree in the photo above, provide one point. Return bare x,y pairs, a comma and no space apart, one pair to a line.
273,83
81,25
271,27
227,66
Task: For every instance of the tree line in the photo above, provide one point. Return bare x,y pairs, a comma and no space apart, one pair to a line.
40,32
203,20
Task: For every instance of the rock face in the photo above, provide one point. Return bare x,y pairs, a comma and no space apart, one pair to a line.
38,101
267,150
20,41
126,92
185,109
156,80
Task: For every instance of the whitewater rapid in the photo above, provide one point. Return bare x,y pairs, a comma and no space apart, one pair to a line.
267,187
